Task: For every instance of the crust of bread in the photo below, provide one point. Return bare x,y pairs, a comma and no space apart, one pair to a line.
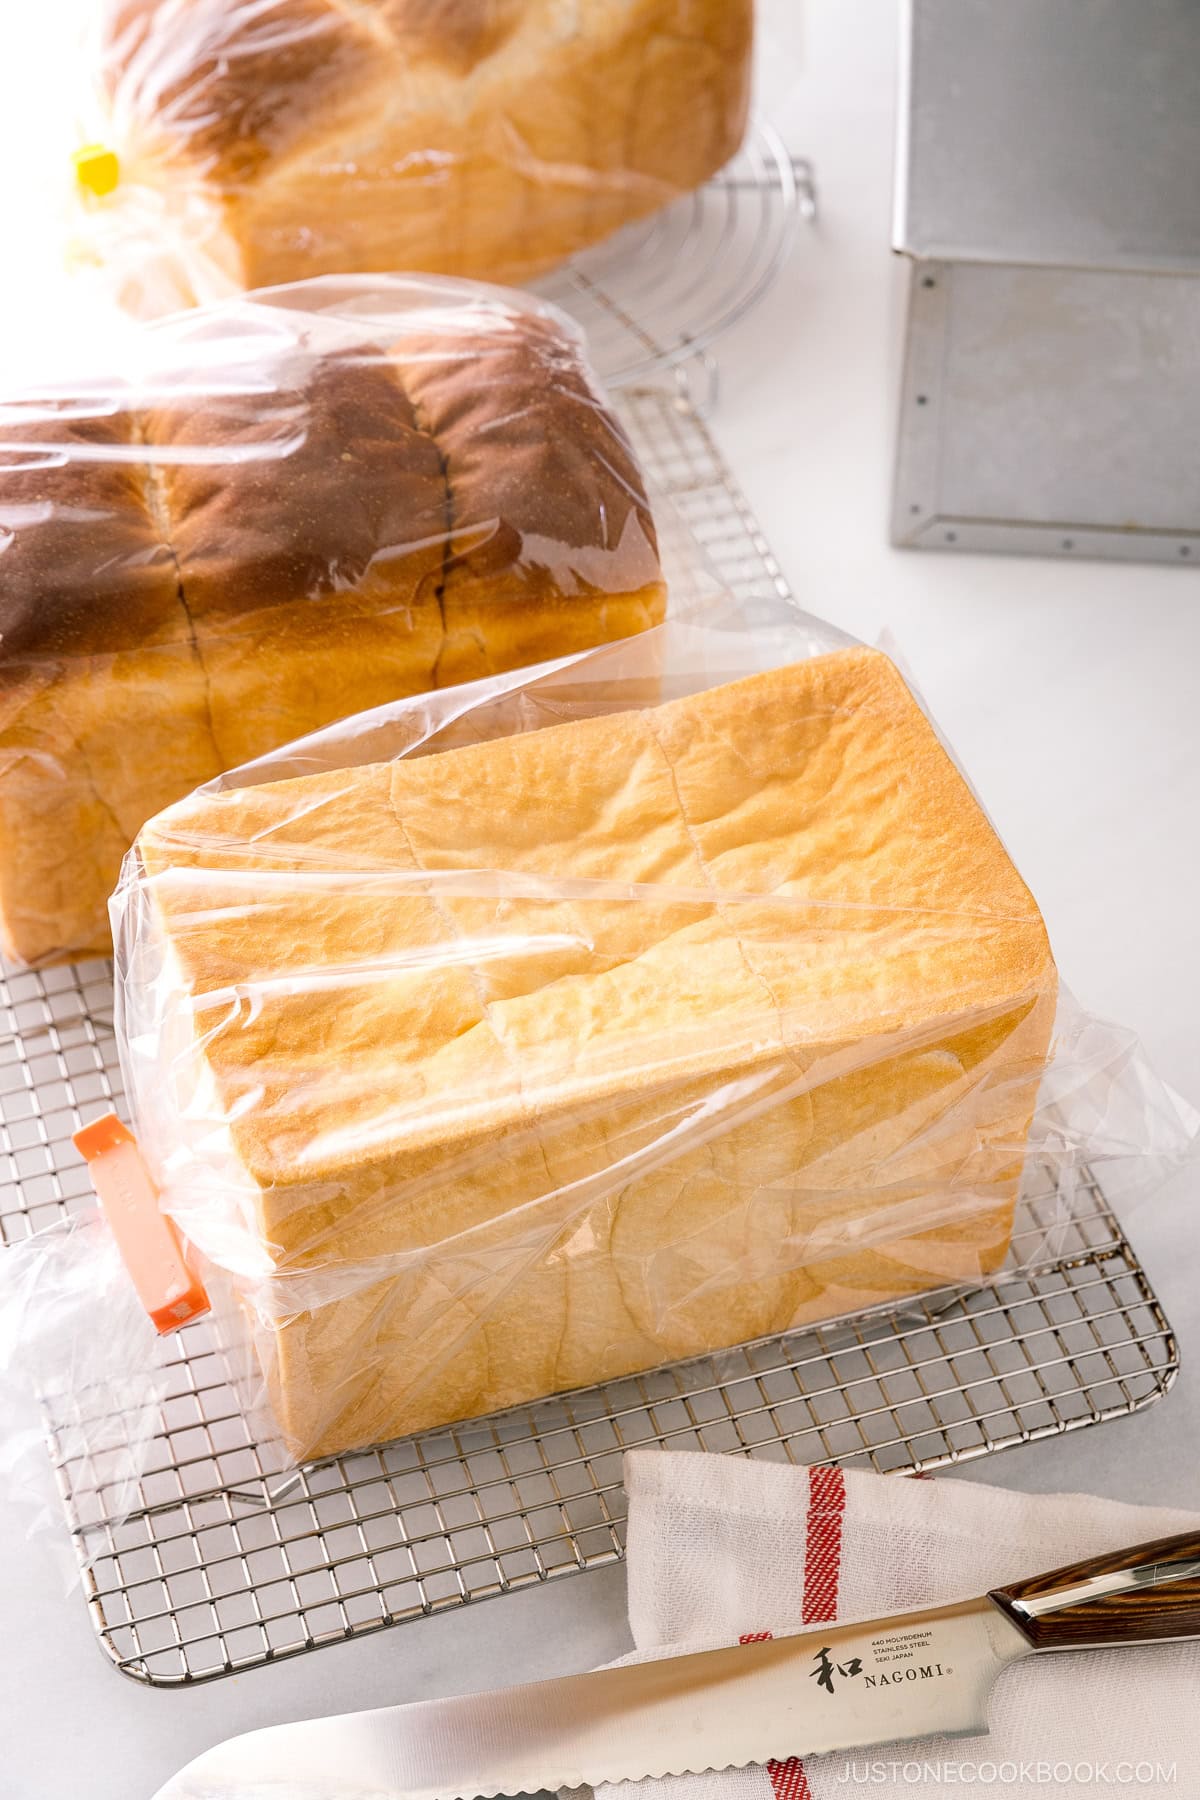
490,138
521,1132
378,524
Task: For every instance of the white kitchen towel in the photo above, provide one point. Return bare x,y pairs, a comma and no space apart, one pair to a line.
722,1549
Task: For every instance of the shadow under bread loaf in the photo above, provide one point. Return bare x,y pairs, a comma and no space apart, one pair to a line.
537,1062
189,582
489,138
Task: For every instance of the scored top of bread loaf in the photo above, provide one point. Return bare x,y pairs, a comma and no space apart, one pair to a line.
482,452
237,86
240,85
408,959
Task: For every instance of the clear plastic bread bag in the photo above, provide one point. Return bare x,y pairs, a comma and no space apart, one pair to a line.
242,522
229,144
664,997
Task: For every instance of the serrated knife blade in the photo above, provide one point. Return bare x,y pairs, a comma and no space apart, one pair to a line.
833,1688
838,1687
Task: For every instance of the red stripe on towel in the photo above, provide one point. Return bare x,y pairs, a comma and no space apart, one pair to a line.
788,1780
823,1547
822,1572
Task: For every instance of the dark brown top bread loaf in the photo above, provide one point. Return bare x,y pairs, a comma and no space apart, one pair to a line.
488,457
196,574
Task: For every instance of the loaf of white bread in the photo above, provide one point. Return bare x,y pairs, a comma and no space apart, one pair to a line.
539,1061
192,577
491,138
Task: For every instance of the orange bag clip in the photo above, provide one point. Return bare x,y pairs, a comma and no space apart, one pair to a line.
150,1245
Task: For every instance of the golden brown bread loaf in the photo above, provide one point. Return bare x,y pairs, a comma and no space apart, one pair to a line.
473,137
547,1059
190,580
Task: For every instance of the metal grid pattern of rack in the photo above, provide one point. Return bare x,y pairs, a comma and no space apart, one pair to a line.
221,1566
215,1565
664,289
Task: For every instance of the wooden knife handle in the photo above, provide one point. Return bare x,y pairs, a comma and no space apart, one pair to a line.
1130,1597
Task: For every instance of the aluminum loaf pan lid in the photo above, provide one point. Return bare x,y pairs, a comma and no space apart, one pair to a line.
1051,131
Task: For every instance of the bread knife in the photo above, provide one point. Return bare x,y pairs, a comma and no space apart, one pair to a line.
838,1687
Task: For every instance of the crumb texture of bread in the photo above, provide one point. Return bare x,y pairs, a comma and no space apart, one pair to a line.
189,583
489,138
552,1058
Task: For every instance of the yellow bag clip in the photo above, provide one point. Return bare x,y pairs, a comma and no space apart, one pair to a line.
97,169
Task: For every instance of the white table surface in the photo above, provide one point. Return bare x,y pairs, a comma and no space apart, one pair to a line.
1071,693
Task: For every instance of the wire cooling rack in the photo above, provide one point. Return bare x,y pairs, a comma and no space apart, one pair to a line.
216,1566
221,1567
664,289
